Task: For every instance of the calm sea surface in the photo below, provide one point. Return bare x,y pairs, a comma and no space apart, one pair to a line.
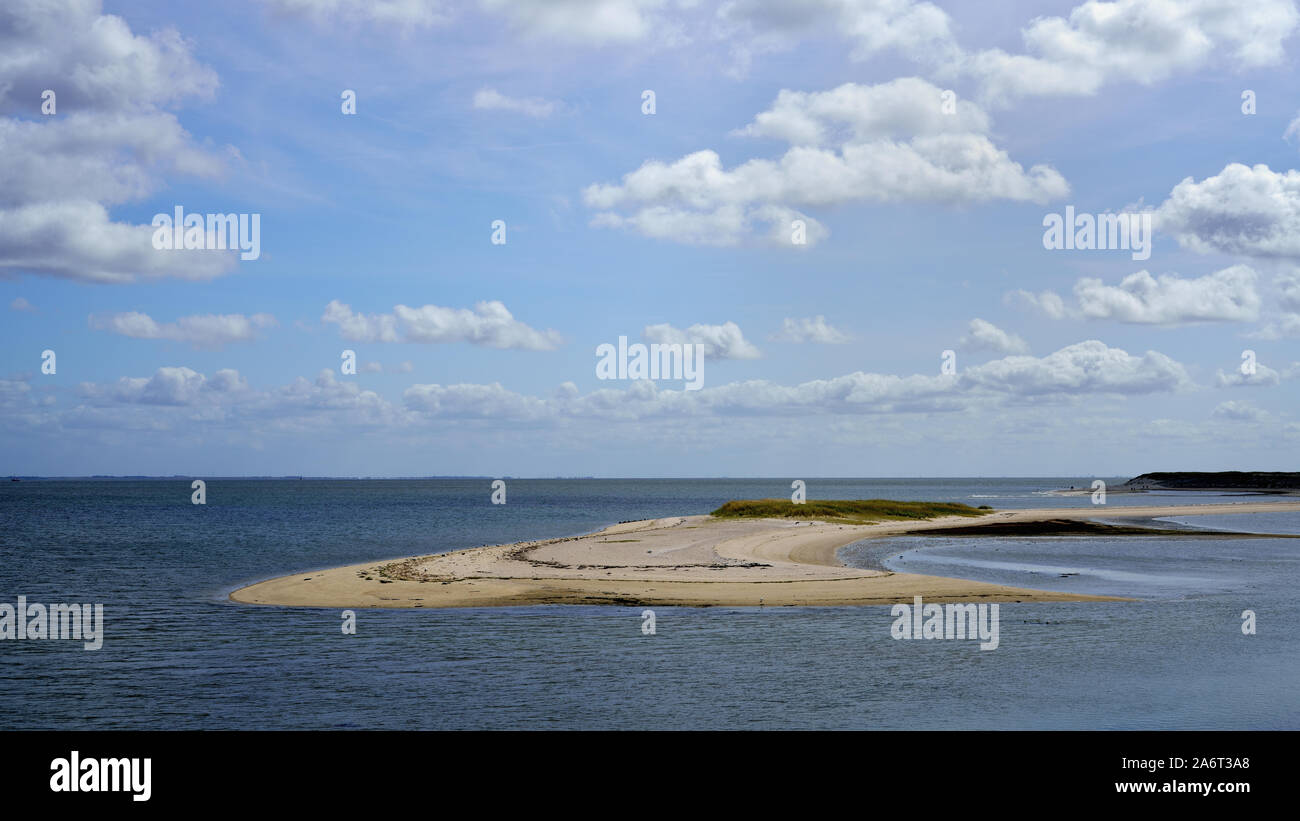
178,655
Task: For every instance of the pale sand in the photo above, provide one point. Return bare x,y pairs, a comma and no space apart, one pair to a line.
688,560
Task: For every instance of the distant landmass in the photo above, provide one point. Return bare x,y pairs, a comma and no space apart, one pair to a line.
1222,480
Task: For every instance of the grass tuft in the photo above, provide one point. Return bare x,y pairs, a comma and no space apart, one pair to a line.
853,511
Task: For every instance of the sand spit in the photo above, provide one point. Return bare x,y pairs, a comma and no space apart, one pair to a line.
686,560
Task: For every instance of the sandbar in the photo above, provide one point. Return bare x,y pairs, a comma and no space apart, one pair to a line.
697,561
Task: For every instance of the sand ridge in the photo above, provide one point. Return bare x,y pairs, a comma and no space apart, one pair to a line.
683,560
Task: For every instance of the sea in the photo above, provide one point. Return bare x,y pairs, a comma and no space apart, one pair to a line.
177,654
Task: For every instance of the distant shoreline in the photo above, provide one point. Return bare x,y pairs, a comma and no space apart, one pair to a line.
1222,482
697,561
1221,491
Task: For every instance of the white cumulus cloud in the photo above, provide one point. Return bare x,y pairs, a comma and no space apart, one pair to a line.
1229,295
1242,210
490,324
725,341
109,142
200,330
1143,41
852,144
1263,376
814,329
1085,367
985,336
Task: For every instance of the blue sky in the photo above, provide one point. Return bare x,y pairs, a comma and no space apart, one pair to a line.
925,235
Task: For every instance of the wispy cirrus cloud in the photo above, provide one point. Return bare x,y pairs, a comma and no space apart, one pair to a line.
401,15
584,22
1238,411
489,99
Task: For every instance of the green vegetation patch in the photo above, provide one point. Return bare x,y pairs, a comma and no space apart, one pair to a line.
853,511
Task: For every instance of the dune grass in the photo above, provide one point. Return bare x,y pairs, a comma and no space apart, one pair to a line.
851,511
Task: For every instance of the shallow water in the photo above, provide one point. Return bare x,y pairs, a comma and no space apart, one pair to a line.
178,655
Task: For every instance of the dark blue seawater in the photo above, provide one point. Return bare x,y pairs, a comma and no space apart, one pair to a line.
178,655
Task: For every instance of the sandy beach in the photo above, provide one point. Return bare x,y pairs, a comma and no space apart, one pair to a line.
688,560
